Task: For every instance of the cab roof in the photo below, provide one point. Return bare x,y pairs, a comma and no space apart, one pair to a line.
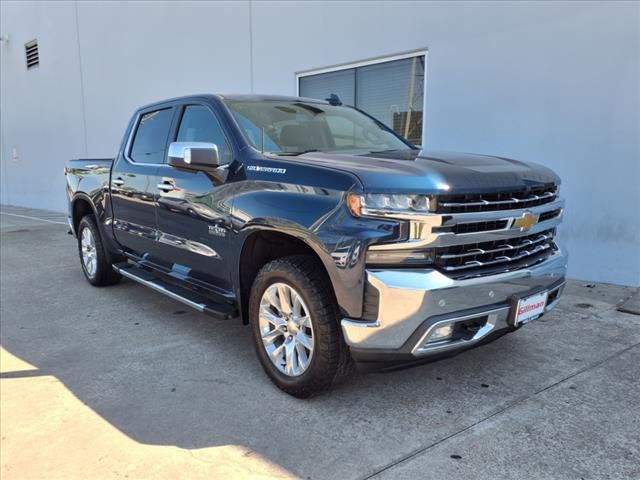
268,98
237,97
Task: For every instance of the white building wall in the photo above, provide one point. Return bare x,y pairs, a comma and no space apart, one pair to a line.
555,83
139,52
41,109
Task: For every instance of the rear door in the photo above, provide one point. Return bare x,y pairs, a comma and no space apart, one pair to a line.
134,181
193,205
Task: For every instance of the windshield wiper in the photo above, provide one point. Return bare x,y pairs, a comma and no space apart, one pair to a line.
295,154
391,150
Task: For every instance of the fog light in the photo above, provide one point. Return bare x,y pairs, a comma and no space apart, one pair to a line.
441,333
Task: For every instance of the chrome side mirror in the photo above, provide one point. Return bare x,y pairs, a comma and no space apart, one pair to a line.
193,154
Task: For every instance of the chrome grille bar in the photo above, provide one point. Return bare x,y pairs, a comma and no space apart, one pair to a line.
497,260
488,202
450,229
506,246
547,195
470,235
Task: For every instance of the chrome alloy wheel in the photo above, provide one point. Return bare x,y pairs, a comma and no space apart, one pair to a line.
89,255
286,329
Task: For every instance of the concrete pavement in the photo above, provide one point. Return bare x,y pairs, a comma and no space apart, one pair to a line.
122,382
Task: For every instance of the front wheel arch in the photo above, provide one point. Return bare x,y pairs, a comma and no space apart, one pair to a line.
331,361
262,247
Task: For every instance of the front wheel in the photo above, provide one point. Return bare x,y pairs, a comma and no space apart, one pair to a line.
93,258
294,319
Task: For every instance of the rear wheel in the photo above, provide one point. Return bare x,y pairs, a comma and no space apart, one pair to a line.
294,320
97,269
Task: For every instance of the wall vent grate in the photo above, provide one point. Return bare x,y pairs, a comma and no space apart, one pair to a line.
31,52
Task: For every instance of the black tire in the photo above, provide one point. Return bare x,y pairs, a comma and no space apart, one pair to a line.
330,361
104,273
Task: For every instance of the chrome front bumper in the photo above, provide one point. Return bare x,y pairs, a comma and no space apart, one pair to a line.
411,302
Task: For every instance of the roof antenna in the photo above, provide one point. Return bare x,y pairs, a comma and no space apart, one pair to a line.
334,100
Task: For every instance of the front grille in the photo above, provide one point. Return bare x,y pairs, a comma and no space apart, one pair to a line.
549,215
477,235
485,257
474,227
515,199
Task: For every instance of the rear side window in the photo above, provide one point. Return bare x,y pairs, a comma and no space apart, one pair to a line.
151,136
199,124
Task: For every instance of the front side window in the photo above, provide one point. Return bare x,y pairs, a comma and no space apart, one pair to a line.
199,124
294,127
150,140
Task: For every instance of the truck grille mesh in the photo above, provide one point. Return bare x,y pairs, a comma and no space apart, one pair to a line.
524,198
475,235
500,255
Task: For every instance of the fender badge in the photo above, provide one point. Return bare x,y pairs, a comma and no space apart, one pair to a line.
217,230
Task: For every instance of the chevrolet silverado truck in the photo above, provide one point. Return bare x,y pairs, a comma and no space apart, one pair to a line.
336,240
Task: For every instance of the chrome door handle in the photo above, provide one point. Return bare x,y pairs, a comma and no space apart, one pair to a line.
165,187
117,182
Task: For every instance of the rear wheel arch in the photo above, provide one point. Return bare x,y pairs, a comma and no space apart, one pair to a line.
92,253
80,207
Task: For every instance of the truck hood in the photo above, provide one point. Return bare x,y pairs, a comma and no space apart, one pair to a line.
413,171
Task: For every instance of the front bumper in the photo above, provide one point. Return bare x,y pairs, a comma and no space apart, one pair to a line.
412,303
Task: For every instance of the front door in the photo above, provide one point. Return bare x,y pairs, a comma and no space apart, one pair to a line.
134,182
193,213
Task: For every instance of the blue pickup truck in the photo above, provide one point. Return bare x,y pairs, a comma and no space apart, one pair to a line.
336,240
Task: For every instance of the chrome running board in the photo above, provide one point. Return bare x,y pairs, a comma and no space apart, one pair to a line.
181,294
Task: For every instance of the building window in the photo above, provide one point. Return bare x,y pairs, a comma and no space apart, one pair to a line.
390,89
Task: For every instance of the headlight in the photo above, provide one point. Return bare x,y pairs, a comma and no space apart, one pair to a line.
385,204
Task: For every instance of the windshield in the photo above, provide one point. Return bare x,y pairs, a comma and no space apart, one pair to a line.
295,127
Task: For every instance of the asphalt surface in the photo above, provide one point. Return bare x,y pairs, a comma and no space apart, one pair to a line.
123,382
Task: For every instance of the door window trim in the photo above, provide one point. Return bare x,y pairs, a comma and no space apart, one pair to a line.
134,129
173,134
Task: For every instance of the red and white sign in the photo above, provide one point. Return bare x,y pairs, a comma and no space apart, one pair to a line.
531,307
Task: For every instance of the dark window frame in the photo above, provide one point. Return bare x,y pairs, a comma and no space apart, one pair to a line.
136,127
183,108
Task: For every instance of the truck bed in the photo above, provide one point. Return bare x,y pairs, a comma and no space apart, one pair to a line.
90,163
87,175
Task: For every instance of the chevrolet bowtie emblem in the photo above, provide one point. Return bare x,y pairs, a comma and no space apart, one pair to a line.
526,221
